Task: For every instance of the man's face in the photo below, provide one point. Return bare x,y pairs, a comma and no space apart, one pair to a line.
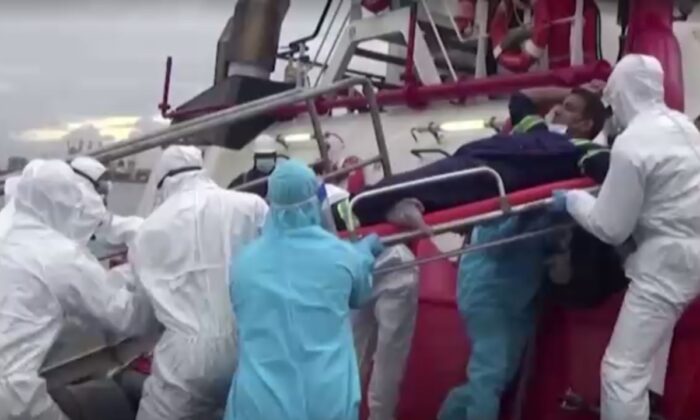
571,114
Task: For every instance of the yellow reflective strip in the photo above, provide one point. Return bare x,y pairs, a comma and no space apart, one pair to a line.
580,142
590,154
344,212
527,123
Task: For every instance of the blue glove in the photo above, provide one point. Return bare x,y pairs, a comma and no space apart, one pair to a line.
373,244
559,201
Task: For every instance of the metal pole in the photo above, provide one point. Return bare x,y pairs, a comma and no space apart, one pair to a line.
408,75
472,248
441,44
374,111
164,106
227,116
234,114
318,133
205,118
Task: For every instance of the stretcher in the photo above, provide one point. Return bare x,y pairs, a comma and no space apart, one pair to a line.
561,379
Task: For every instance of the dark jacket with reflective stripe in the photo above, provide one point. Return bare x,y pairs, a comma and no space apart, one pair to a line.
523,160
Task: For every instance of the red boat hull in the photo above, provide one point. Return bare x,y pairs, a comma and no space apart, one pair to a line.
569,349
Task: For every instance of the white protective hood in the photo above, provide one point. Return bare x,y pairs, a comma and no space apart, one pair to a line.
11,188
635,85
9,208
48,192
174,158
91,167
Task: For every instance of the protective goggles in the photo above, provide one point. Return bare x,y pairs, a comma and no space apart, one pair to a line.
102,185
177,172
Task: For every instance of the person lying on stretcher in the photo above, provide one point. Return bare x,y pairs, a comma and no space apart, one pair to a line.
534,153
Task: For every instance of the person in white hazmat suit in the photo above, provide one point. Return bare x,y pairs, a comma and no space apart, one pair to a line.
48,275
384,326
8,208
651,194
115,230
181,257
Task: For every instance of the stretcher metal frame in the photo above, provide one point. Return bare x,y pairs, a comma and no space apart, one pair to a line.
460,224
436,179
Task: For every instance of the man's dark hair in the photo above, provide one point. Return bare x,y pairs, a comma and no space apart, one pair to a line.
593,109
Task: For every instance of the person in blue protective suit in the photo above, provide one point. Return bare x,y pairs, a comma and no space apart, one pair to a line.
292,294
497,299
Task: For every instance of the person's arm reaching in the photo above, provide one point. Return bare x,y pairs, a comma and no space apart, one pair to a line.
521,106
366,251
612,216
86,290
545,98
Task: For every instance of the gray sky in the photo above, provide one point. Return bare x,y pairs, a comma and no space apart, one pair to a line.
81,61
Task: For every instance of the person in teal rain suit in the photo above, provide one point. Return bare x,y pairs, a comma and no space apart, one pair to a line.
292,291
496,295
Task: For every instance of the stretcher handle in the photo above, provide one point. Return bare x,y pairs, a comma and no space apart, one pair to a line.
472,248
505,206
459,224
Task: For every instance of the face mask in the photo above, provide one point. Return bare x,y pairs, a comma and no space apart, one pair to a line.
552,126
557,128
265,164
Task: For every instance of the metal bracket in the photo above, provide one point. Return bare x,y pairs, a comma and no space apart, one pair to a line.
432,128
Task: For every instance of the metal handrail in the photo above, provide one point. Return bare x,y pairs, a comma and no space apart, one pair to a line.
103,153
328,30
177,132
324,66
505,206
294,45
441,44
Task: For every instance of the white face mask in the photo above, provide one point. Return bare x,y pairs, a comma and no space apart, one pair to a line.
265,164
557,128
552,126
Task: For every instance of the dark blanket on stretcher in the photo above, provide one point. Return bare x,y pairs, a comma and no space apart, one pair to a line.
523,161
